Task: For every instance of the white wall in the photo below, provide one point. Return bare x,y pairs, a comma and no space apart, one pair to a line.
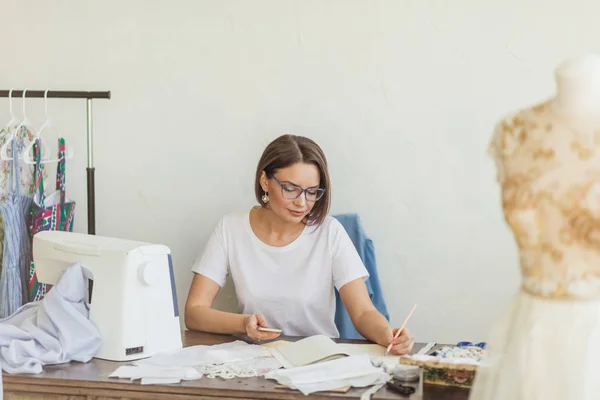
402,96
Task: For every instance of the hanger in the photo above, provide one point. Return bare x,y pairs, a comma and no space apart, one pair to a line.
11,135
13,120
48,124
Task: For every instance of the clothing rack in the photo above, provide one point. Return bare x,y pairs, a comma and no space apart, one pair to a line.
89,96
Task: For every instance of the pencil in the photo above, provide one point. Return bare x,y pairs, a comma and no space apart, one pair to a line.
401,328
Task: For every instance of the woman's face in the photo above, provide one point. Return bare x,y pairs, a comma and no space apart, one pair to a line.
299,175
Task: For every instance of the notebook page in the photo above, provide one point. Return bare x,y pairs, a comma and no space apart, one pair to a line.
307,351
356,349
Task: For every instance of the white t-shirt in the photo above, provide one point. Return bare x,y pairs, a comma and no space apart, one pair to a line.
291,286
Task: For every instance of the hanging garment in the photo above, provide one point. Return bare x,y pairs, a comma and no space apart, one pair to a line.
55,330
17,245
366,251
22,139
48,213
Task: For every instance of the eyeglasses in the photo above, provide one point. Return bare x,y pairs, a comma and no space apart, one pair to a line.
291,192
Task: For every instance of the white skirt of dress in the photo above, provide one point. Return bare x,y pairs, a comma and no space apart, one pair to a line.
542,349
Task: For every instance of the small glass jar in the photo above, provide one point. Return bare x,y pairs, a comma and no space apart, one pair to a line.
407,373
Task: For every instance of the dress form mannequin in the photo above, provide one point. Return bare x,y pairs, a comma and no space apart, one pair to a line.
578,86
547,343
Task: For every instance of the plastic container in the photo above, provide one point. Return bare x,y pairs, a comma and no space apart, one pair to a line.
407,373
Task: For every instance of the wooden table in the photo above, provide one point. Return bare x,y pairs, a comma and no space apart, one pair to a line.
90,381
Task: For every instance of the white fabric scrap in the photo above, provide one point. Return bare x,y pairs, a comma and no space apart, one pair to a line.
241,369
235,359
150,374
195,356
356,371
54,330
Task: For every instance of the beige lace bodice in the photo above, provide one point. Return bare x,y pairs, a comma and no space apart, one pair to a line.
549,170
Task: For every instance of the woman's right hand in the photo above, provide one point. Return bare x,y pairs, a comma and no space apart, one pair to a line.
251,324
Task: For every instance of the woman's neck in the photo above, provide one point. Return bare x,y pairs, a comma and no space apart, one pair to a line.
276,230
578,86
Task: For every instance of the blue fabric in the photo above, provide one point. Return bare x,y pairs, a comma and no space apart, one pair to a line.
366,251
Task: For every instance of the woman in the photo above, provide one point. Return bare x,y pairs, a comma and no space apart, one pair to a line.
285,257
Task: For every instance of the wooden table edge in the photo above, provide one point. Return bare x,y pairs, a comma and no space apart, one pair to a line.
123,387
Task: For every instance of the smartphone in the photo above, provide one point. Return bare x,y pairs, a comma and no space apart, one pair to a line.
260,328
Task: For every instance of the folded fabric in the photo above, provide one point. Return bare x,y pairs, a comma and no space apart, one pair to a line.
356,371
227,360
54,330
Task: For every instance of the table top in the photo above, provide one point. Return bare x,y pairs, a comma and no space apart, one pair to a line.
95,374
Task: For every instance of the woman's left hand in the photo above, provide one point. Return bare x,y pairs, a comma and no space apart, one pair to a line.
403,344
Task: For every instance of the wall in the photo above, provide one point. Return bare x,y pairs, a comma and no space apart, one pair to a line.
402,96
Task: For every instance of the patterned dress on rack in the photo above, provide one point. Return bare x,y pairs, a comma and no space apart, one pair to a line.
48,215
17,245
23,139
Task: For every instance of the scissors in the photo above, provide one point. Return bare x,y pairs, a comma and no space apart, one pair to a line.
403,390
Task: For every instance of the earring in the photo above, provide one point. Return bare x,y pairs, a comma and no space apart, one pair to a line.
265,198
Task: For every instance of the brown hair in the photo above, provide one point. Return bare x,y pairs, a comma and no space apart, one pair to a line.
287,150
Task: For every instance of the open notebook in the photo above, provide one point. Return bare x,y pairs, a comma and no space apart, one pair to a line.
318,348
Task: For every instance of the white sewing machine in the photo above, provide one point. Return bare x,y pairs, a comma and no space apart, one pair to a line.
133,298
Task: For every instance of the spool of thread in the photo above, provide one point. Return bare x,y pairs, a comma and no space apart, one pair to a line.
407,373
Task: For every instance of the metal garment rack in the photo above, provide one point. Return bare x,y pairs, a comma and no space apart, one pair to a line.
89,96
